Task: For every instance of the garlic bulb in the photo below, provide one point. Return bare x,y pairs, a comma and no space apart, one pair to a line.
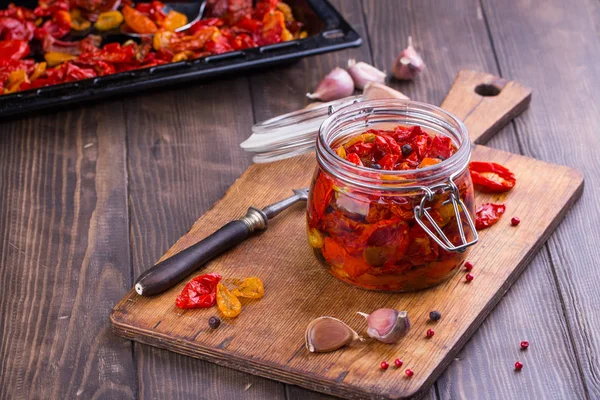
337,84
363,73
408,64
375,91
387,325
326,334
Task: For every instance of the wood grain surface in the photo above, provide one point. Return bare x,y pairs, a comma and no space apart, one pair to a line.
268,337
553,304
63,225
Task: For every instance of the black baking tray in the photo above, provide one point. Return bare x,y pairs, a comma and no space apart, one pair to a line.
327,31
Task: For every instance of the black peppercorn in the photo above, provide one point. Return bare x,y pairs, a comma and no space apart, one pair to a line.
214,322
375,166
435,315
406,150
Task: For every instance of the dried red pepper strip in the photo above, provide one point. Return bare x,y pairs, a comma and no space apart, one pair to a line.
491,177
488,214
200,292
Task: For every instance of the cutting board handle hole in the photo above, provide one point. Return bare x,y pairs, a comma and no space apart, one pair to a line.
487,90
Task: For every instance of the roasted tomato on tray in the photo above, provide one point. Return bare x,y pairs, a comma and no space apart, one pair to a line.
62,41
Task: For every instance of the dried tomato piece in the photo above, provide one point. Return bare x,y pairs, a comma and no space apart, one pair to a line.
13,49
441,147
388,162
109,20
488,214
200,292
57,27
174,20
137,21
354,159
491,177
320,197
251,288
228,304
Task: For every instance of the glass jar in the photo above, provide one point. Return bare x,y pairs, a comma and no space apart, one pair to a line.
391,230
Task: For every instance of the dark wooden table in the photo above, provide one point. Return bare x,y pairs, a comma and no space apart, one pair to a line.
93,195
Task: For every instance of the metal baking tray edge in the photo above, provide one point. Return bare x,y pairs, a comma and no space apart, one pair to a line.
336,34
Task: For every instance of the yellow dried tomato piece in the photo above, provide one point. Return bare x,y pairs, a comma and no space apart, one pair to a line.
79,23
429,161
251,288
15,78
182,56
315,239
38,70
286,10
55,58
174,20
108,20
227,303
162,39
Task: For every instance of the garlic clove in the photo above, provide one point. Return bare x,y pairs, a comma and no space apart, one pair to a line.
337,84
408,64
363,73
326,334
373,91
387,325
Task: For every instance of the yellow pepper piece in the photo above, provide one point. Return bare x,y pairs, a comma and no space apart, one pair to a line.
174,20
55,58
108,20
227,303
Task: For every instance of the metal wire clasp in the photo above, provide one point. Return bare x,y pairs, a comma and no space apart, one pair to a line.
457,202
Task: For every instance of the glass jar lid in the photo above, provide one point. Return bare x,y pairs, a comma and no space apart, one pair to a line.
290,134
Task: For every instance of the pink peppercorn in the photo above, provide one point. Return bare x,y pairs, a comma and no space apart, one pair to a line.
515,221
469,266
518,365
469,277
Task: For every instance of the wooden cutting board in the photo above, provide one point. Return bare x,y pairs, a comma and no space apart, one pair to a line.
267,339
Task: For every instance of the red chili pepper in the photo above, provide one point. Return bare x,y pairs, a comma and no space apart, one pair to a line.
200,292
13,49
488,214
492,177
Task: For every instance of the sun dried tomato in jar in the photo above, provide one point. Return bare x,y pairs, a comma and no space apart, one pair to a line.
391,206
